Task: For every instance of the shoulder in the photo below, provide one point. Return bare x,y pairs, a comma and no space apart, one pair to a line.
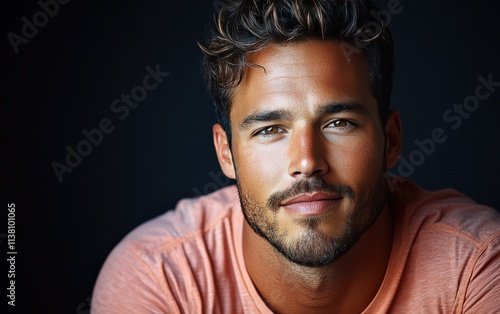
154,266
448,247
191,218
445,211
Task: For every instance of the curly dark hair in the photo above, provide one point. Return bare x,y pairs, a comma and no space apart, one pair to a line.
243,26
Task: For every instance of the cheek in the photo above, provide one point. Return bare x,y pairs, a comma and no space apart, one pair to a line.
358,162
261,167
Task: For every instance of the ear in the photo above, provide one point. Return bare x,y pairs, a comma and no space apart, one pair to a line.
393,139
223,151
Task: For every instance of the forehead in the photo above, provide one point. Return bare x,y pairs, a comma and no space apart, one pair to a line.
308,72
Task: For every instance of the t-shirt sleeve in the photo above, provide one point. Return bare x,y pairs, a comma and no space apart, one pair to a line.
482,294
127,283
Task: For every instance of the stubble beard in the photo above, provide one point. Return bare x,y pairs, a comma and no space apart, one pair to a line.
313,248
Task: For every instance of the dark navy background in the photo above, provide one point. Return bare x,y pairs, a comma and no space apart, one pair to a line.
65,79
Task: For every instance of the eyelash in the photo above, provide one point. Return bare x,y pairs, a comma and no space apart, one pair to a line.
349,124
261,132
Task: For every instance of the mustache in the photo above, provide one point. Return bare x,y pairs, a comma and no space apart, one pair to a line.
315,184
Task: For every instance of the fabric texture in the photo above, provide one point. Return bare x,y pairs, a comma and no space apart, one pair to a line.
445,259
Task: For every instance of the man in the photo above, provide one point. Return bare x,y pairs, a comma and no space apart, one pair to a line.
302,92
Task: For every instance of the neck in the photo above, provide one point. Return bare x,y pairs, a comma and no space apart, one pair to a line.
347,285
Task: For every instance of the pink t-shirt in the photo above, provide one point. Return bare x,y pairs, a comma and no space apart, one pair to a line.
445,259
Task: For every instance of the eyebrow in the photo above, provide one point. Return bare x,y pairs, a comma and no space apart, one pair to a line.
273,115
342,107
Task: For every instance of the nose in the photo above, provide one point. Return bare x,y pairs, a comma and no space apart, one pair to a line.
307,154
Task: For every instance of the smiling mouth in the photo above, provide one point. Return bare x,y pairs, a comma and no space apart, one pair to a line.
311,204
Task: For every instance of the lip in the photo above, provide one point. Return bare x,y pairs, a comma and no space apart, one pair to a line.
311,204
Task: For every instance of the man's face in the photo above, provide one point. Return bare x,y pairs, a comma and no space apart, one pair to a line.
308,149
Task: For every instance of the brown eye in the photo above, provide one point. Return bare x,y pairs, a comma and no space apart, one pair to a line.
271,130
340,123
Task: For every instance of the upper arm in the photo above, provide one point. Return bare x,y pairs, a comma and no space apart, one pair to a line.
482,294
